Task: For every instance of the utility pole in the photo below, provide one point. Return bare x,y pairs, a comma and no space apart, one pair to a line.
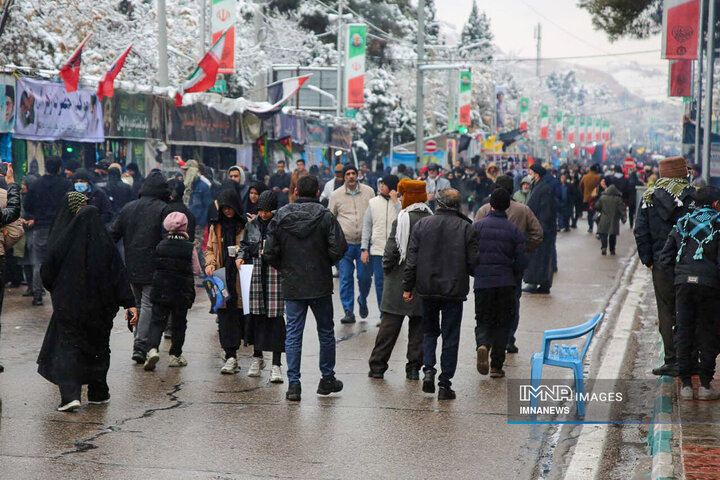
162,45
538,37
203,24
261,78
419,99
698,82
340,40
710,54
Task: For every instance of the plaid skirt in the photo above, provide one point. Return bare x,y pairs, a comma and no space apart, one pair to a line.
266,301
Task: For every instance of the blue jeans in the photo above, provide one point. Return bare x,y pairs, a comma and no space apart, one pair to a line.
450,330
295,313
377,271
346,269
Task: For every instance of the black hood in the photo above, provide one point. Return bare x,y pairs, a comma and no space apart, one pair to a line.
300,219
155,185
82,174
114,176
230,198
665,204
176,189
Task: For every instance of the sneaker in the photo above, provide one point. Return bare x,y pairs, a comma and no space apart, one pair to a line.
363,309
428,385
276,374
497,373
37,301
446,393
178,361
348,318
138,356
708,393
378,375
603,251
230,367
329,385
686,393
152,358
412,374
512,348
293,392
102,401
167,334
256,366
72,406
612,252
2,369
482,360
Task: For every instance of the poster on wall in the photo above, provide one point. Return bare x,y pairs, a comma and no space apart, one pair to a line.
133,115
7,103
44,111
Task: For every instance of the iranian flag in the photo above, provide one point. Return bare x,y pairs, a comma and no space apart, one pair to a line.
106,87
581,133
205,74
559,126
571,128
524,109
70,72
544,122
680,27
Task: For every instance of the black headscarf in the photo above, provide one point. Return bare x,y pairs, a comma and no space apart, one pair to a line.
250,207
230,227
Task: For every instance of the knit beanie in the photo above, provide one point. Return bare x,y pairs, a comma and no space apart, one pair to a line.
500,199
506,182
390,181
673,167
348,168
267,201
412,191
176,222
539,169
75,201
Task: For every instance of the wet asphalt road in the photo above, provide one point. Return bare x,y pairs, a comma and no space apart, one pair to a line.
195,423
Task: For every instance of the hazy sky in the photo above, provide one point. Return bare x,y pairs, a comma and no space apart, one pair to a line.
566,30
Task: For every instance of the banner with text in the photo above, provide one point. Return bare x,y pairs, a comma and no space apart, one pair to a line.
198,124
46,112
133,115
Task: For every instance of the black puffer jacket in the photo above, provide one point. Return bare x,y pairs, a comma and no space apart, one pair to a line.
703,271
654,222
442,254
139,225
119,193
304,241
44,198
172,282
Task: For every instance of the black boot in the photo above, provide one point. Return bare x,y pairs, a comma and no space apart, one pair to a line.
348,318
293,392
329,385
37,301
446,393
428,385
666,369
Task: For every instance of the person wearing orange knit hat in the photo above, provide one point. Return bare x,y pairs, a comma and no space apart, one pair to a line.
393,308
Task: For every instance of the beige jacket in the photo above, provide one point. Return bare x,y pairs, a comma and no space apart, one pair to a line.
522,217
350,210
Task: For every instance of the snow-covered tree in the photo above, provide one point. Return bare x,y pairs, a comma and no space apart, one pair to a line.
476,40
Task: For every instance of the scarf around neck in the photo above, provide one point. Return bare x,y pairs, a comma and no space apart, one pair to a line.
402,232
673,186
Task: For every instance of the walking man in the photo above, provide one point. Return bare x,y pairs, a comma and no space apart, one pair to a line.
441,256
394,309
661,207
349,203
377,222
543,203
303,242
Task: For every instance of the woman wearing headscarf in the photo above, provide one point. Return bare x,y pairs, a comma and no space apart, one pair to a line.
266,328
251,200
223,242
88,283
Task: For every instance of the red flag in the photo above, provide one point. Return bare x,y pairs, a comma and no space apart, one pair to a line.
680,25
106,87
204,76
70,72
680,78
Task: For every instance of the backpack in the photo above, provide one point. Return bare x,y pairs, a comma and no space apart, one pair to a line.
11,233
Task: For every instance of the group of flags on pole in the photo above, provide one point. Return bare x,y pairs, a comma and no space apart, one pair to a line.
568,128
70,72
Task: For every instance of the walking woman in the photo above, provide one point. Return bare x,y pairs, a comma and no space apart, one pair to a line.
612,211
266,329
88,283
223,243
251,199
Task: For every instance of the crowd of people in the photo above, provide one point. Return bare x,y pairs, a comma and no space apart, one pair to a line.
106,239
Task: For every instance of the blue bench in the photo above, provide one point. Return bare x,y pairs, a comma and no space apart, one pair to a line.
565,357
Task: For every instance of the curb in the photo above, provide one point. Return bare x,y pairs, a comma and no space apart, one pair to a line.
660,435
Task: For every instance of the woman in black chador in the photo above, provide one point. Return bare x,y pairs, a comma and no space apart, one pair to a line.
88,283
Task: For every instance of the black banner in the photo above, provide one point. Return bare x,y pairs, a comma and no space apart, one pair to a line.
198,124
133,115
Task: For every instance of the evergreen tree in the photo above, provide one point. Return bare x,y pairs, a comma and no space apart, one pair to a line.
476,38
625,18
432,27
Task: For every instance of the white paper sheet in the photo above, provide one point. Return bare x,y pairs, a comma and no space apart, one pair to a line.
245,275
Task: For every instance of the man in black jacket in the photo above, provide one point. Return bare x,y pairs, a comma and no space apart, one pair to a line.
43,200
119,193
9,214
693,249
544,204
139,225
442,254
661,207
304,241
